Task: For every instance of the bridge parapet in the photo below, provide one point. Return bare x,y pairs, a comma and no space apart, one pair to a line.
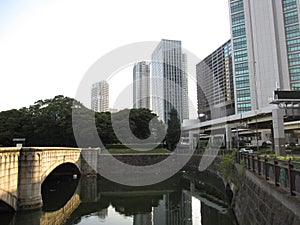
9,158
23,170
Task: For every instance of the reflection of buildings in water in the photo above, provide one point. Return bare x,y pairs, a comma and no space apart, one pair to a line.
142,219
174,209
102,214
160,212
211,215
179,211
196,211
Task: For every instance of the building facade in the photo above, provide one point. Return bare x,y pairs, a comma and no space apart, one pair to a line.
141,85
167,79
215,89
185,92
266,50
100,97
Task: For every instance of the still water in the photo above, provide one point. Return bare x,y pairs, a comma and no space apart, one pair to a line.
185,199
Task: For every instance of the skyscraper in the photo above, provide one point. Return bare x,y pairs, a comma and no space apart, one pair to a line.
185,92
266,50
167,79
215,91
100,97
141,85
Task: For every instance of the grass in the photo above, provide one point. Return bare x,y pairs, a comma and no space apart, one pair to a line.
287,157
131,151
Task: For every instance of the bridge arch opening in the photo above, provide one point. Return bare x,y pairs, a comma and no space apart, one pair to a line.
6,213
59,186
5,208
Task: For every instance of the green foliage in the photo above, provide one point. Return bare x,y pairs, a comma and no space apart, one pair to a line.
225,165
142,123
173,131
45,123
49,123
104,128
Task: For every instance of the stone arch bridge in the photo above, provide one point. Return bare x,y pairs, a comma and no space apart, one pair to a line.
23,170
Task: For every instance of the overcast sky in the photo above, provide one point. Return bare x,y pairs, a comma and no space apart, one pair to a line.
46,47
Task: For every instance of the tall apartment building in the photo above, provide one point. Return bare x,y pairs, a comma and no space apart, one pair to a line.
266,50
100,97
141,85
215,91
167,79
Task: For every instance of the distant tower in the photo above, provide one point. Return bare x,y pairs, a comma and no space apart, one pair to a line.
141,85
167,79
185,92
100,97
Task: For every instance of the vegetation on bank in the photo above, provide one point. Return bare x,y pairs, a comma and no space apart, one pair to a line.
225,165
49,123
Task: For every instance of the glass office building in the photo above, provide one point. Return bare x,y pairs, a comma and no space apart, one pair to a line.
167,79
266,50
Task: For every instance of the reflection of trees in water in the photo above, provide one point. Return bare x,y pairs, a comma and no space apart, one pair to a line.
167,203
132,205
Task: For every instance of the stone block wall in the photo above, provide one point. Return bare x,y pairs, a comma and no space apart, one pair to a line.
9,176
260,202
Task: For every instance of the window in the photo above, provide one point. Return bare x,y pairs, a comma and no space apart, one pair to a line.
239,43
296,86
236,6
238,30
289,5
241,55
243,107
243,95
293,45
294,59
292,31
241,68
291,17
238,18
242,82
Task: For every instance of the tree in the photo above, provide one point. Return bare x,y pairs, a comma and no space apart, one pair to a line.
173,131
142,124
11,126
104,128
49,123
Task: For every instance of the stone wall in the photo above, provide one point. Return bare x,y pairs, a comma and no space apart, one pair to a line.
258,202
140,159
9,177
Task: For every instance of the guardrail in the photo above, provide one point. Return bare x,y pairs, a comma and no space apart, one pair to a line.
284,173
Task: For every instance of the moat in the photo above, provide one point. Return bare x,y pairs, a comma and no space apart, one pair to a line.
187,198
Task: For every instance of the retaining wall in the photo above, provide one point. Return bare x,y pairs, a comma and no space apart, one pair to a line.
259,202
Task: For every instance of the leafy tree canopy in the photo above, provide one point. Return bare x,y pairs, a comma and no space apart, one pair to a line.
49,123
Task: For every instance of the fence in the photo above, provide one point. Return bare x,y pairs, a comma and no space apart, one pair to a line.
281,172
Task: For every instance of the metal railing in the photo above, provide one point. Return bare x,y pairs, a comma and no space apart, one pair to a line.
283,173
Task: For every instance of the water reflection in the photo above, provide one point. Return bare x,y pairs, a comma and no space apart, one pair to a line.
181,200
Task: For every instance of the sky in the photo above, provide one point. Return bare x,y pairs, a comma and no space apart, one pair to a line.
46,47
